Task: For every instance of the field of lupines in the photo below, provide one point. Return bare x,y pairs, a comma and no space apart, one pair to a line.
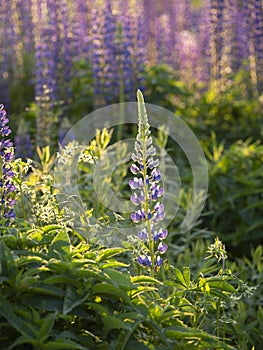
130,225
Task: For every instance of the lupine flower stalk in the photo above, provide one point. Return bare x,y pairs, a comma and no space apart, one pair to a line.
140,49
125,59
46,73
7,187
96,57
111,85
258,20
147,194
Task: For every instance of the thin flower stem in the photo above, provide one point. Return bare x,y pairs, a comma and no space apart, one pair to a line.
217,318
145,189
21,193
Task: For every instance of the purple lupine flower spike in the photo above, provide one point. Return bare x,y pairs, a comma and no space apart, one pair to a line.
146,192
7,187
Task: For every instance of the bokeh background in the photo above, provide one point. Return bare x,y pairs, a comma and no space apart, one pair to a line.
70,57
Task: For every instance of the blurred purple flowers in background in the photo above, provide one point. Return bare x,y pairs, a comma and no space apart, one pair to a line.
201,40
7,186
146,194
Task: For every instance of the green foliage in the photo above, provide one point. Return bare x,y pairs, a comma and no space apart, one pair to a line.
235,193
59,292
162,87
81,87
234,114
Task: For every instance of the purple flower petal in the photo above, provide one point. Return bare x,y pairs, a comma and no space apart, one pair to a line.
163,234
156,175
162,247
136,183
134,169
135,199
153,163
155,236
144,260
143,235
159,261
138,215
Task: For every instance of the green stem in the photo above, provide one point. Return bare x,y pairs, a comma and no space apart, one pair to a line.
217,318
223,265
22,194
146,206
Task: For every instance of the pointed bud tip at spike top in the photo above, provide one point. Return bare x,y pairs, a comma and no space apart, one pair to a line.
140,97
142,114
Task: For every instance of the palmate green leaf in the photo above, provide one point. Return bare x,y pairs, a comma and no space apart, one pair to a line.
145,279
72,299
114,263
111,322
179,332
103,289
159,331
186,275
24,339
7,261
109,253
65,279
44,302
49,228
46,327
89,273
132,315
39,232
47,289
173,315
180,277
141,290
23,281
186,307
60,246
220,284
58,266
6,311
120,279
97,307
27,260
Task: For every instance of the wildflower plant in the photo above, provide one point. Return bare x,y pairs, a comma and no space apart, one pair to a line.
147,195
7,187
217,250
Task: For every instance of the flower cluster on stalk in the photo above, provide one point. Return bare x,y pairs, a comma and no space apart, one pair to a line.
7,186
147,194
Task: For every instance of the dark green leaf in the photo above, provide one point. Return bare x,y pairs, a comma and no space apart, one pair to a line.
72,299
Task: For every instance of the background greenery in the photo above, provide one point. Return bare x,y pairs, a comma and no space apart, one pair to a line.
59,290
